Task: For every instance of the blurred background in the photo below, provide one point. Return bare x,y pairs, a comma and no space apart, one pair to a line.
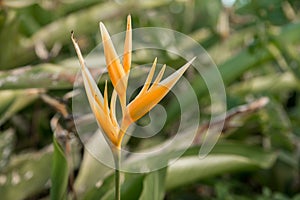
254,43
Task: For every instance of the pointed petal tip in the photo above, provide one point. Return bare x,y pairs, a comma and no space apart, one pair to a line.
78,51
128,25
128,22
192,60
127,46
101,24
188,63
129,17
104,32
102,27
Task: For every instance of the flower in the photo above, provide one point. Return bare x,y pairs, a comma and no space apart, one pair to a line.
149,96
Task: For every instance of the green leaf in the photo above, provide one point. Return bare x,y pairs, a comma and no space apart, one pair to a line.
87,178
154,185
45,75
9,38
233,68
7,139
225,158
60,28
267,84
12,101
104,190
191,168
132,186
26,174
258,156
59,173
279,134
19,4
100,189
269,12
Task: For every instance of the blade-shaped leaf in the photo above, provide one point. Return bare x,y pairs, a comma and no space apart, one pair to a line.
7,139
131,188
59,173
225,158
12,101
154,185
25,175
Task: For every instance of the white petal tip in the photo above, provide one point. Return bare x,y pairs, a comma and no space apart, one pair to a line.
104,32
192,60
189,63
101,24
102,28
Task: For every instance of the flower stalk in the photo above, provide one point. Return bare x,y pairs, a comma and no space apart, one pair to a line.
153,91
117,160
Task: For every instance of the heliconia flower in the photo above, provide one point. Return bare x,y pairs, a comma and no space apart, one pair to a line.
149,96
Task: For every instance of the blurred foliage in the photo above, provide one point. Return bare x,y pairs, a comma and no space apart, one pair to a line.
256,45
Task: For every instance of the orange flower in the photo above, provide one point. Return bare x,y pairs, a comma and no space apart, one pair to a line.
149,96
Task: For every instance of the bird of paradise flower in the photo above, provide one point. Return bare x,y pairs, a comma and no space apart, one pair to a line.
149,96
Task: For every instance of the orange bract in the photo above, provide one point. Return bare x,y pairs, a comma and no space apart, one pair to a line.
150,95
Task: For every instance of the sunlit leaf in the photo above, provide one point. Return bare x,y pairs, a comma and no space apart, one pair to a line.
225,158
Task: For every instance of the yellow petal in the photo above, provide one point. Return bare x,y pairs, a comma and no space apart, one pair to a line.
127,46
98,105
170,81
159,76
110,131
115,69
106,110
113,108
149,79
144,103
89,82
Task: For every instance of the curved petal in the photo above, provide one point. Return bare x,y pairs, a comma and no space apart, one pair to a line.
148,80
98,105
127,46
145,102
114,67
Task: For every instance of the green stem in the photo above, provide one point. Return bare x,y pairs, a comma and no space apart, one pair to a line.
117,158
